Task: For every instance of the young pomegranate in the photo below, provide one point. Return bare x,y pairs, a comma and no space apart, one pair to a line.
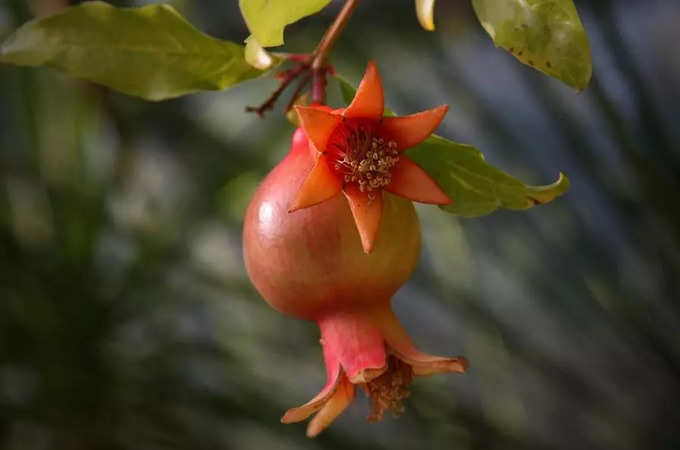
305,256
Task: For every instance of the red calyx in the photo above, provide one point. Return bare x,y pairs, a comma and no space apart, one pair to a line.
368,347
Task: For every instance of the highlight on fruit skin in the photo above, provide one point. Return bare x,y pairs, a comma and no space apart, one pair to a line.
311,265
360,153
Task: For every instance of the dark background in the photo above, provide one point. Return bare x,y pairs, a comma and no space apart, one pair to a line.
127,321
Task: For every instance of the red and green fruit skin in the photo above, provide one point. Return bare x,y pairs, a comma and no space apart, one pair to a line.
310,263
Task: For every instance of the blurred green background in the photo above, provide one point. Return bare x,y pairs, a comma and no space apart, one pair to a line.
127,320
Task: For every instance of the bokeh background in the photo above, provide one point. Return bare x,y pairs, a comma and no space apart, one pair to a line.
127,320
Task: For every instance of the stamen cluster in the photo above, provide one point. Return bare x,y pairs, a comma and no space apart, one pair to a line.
366,159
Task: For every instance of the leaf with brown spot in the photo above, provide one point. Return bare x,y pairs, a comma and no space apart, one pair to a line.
545,34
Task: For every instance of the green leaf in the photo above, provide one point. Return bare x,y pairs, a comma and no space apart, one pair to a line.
266,19
544,34
346,89
150,52
475,186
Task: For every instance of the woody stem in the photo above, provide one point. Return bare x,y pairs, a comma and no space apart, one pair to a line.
332,34
320,55
314,65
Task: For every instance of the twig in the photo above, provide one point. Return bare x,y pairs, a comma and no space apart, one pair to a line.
332,34
314,65
298,90
269,103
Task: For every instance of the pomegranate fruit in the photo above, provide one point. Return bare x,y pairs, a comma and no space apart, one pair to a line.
303,250
309,261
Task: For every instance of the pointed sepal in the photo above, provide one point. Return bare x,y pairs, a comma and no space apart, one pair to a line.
320,185
318,124
369,100
411,182
367,210
409,131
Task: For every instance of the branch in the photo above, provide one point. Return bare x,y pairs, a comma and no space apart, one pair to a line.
314,65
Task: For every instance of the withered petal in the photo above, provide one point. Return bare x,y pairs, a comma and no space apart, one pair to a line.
426,364
340,400
301,412
399,344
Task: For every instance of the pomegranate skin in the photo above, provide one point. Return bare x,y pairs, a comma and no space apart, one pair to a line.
310,262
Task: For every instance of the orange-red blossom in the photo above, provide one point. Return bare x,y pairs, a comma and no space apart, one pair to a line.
360,153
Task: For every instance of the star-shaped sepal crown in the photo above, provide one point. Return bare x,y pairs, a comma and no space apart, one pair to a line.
361,154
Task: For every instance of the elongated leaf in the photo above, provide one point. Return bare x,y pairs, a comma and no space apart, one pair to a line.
266,19
150,52
475,186
545,34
